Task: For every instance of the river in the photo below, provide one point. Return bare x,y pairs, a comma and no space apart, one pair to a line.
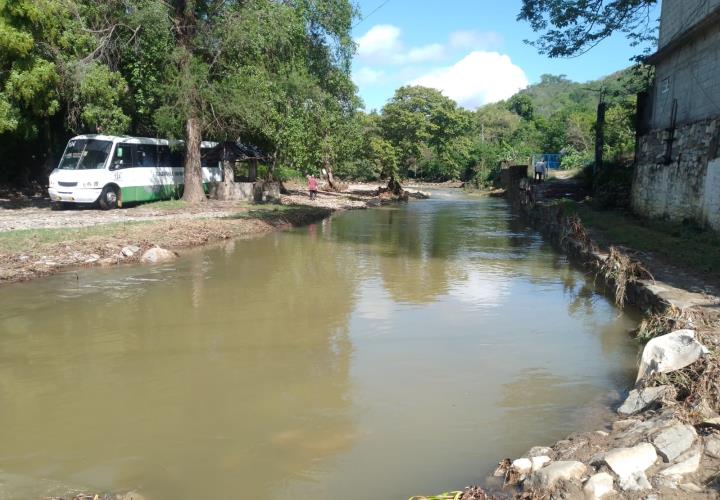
378,354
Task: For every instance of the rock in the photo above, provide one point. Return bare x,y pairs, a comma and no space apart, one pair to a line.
688,463
132,495
622,425
674,441
539,462
557,471
129,250
636,481
691,488
157,255
712,445
639,400
539,451
625,462
670,352
523,465
107,261
598,486
93,257
602,433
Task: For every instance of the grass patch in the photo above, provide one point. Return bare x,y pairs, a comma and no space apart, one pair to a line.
680,244
27,239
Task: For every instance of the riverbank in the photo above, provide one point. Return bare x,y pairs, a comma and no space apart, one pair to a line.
665,440
36,241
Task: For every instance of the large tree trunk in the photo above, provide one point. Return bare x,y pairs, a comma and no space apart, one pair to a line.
193,191
329,175
226,188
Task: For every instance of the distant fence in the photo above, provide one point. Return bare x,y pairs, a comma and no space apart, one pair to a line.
552,160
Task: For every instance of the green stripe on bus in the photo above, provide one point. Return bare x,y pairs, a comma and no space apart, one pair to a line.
154,193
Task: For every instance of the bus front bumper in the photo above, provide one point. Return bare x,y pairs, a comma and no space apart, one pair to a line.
74,195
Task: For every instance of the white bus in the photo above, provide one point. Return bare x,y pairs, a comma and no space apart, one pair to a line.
112,170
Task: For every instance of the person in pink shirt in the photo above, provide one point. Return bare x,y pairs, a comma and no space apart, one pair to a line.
312,186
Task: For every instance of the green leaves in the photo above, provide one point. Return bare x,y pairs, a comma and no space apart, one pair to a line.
572,27
99,96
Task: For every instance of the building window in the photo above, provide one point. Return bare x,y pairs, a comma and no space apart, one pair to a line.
665,85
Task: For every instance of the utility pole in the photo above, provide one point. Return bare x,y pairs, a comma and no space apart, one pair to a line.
600,134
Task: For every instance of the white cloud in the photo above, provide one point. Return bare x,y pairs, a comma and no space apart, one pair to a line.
478,78
368,76
432,52
381,44
474,40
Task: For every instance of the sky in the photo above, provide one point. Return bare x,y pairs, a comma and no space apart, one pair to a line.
471,50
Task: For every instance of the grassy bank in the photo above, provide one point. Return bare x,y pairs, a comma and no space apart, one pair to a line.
683,246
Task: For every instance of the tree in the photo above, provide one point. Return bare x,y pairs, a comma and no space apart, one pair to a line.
572,27
522,105
225,52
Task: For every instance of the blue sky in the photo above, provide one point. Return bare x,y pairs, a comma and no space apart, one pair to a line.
472,50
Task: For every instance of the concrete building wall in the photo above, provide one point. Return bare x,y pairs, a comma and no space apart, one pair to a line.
678,15
687,188
691,76
681,181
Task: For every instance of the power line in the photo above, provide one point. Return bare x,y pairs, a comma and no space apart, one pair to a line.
383,4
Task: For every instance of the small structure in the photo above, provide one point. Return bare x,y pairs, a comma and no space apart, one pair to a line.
677,173
240,187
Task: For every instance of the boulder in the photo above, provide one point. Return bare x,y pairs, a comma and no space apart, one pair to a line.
626,462
598,486
557,471
157,255
539,462
670,352
522,465
129,250
640,400
674,441
637,481
712,445
687,464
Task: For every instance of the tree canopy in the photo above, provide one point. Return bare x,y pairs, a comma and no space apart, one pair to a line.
569,28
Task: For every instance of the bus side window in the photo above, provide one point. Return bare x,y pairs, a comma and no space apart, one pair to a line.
145,155
164,156
176,158
123,157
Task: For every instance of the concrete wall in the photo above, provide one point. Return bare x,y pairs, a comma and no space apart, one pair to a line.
688,188
690,75
679,15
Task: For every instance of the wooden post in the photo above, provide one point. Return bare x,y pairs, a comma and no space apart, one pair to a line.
252,170
599,136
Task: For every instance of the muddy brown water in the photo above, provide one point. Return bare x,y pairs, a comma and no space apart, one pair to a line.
378,354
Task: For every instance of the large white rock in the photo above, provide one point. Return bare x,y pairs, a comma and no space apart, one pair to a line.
637,481
539,451
539,462
157,255
639,400
557,471
670,352
522,465
628,461
674,441
688,463
598,486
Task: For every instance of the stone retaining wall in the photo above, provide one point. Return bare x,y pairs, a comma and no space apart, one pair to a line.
688,187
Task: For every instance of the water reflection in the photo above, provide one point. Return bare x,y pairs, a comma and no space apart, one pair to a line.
411,345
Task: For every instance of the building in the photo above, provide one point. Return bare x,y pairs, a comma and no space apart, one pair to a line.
677,174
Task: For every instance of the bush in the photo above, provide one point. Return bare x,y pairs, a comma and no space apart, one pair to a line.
612,185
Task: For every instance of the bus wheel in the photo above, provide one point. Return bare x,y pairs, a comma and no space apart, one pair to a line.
108,198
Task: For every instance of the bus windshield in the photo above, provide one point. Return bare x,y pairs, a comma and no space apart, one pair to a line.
85,154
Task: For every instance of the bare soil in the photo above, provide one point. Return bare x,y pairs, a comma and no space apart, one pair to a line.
37,241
